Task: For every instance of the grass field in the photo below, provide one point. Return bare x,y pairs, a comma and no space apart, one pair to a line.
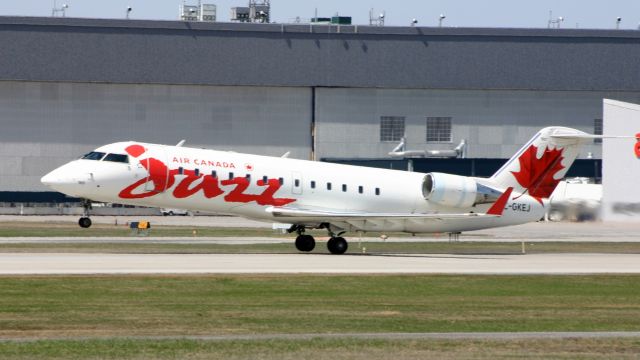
143,247
326,349
58,229
120,306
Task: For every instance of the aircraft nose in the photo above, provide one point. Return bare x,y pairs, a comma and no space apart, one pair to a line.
50,179
56,179
62,179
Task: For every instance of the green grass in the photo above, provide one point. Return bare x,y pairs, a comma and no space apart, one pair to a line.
218,305
141,246
17,229
98,307
325,349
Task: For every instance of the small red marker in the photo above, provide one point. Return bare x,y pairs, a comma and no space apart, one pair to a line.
498,207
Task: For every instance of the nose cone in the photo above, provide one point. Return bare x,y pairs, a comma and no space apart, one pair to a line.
63,179
57,180
50,180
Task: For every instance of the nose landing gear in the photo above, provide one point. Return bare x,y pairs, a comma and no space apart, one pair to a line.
85,221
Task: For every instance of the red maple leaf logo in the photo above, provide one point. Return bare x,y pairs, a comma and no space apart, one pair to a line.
536,175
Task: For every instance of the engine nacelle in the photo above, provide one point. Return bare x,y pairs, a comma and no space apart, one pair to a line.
450,190
457,191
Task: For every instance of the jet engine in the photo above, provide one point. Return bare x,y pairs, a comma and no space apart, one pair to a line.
456,191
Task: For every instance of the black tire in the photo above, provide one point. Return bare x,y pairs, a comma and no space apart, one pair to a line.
305,243
337,245
84,222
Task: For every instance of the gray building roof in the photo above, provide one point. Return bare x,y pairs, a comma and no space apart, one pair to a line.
174,52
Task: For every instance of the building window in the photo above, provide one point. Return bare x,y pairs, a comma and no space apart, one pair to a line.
597,130
391,128
439,129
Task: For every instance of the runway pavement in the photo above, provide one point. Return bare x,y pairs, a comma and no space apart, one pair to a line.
20,263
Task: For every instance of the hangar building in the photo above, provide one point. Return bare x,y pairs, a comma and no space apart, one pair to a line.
322,92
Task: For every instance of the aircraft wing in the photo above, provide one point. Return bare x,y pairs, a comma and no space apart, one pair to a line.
293,212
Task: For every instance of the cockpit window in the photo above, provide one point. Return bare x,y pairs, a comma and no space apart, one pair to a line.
121,158
94,155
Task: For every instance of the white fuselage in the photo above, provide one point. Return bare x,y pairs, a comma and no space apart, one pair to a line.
234,183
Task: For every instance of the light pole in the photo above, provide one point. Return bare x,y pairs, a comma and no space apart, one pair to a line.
441,19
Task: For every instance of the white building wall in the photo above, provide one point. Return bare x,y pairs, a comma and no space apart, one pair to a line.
47,124
621,162
494,123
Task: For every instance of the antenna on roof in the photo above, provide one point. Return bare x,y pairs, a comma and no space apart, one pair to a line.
554,23
57,9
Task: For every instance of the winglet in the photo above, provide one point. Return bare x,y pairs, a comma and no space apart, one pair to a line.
498,207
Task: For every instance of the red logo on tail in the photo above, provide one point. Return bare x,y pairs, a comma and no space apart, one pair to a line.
637,147
536,175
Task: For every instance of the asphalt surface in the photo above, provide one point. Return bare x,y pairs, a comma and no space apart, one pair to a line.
60,263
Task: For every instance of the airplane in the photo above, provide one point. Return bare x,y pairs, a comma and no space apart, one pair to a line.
317,195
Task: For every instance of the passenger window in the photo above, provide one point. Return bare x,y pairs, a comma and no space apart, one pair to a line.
230,176
328,186
121,158
197,172
344,187
214,174
313,184
296,183
281,181
248,176
180,170
94,155
360,189
265,179
377,191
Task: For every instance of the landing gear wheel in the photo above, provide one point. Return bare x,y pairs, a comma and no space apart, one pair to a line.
305,243
84,222
337,245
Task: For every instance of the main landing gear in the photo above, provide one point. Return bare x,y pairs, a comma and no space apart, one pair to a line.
306,243
84,221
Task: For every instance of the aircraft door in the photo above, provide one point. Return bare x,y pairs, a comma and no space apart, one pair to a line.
296,184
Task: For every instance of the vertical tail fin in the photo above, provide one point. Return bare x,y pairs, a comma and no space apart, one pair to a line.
538,167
